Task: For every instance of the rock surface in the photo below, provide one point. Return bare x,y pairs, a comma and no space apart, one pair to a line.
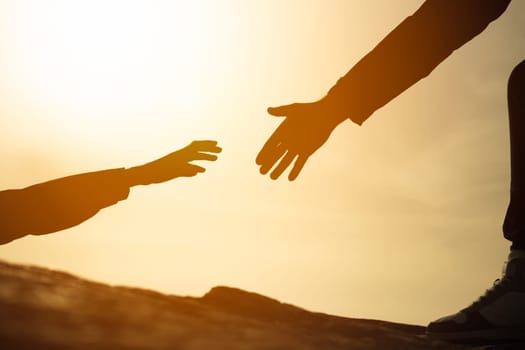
45,309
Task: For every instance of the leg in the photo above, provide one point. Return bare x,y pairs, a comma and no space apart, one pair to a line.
500,312
514,224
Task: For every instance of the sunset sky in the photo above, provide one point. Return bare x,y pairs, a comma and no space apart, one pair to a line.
398,219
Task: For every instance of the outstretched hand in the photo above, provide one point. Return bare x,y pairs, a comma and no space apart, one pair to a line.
305,129
176,164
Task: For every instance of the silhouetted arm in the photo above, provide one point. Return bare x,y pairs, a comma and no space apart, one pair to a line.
59,204
405,56
63,203
410,52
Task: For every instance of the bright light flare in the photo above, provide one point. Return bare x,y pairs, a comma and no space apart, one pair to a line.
107,62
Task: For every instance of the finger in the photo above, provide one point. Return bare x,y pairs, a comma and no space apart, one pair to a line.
269,146
267,149
282,111
198,143
205,145
192,170
297,167
271,158
204,156
287,159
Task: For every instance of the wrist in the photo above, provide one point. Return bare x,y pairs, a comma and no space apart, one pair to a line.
349,101
336,106
133,176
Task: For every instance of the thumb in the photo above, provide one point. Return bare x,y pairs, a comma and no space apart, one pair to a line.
283,111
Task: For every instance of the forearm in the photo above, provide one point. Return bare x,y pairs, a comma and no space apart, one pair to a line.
409,53
137,175
59,204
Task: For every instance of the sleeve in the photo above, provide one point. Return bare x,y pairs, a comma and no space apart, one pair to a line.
59,204
410,52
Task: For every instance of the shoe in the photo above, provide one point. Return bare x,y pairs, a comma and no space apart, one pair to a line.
498,315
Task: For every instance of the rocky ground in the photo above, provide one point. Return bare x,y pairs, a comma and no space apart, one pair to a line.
45,309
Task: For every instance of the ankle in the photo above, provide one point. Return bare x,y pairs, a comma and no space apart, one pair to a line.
515,266
516,254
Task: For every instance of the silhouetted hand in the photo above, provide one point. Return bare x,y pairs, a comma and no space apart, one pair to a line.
306,128
175,164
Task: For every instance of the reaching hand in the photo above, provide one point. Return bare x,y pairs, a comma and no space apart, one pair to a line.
175,164
306,128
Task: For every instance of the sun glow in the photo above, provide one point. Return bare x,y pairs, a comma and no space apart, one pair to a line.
412,198
102,63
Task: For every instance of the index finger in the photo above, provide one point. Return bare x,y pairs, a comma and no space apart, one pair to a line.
205,145
203,156
267,149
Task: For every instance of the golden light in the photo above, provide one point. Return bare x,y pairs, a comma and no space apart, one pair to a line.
92,84
98,64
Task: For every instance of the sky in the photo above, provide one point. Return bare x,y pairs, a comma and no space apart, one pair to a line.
398,219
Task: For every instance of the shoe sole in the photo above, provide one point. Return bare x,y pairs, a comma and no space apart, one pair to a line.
498,334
